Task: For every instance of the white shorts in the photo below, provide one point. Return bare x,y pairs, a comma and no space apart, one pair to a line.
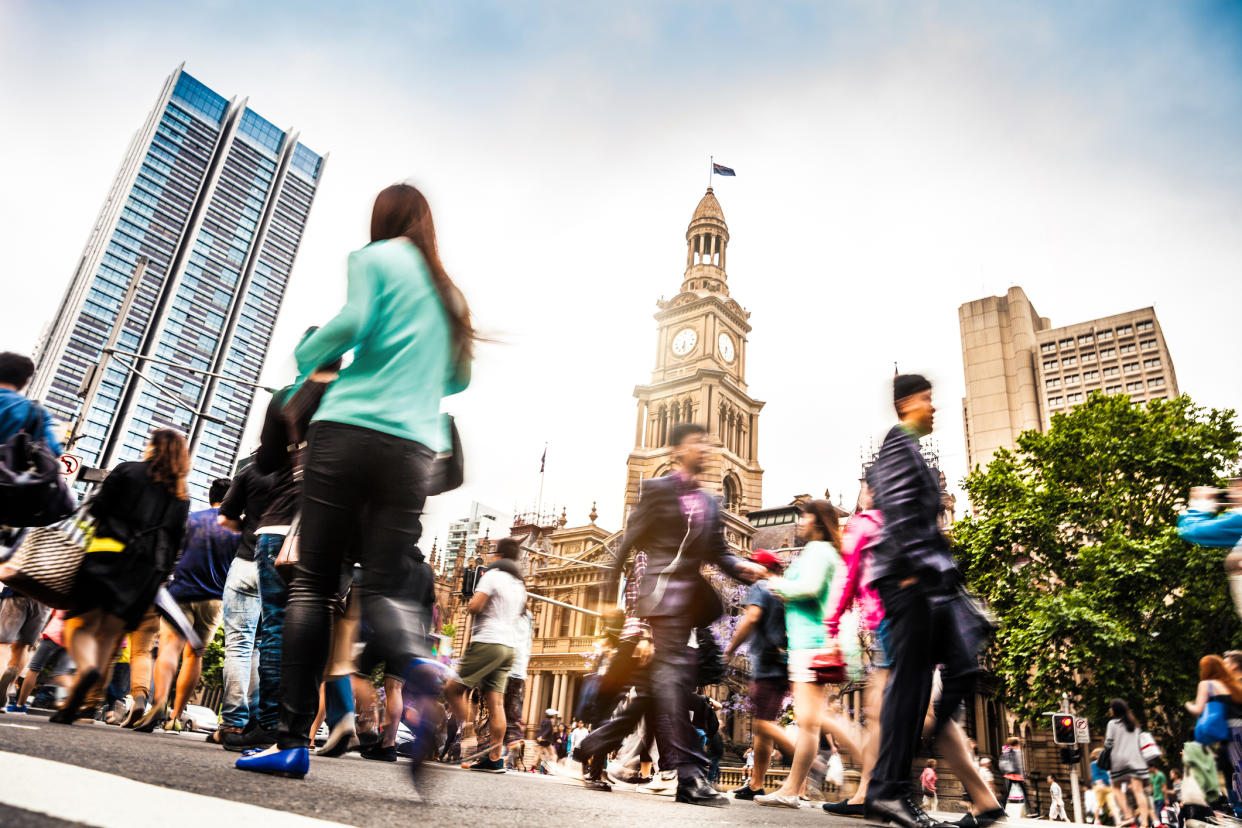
800,665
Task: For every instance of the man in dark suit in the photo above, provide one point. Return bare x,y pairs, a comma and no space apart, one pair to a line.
916,577
679,527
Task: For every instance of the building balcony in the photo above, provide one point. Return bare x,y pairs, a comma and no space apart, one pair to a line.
562,645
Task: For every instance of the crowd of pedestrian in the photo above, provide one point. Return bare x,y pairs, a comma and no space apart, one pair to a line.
309,561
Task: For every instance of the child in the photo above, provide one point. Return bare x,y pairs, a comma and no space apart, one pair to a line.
927,780
1057,811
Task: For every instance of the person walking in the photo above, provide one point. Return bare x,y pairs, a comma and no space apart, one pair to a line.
545,736
1056,812
197,586
680,528
927,781
140,516
515,688
851,589
805,590
916,577
499,600
51,654
369,453
762,629
1128,768
16,409
241,609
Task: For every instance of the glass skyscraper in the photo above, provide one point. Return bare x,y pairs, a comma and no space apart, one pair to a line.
216,197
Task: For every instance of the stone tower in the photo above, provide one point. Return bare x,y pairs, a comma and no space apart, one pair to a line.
700,376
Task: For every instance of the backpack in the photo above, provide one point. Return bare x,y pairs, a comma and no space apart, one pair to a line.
32,491
1007,763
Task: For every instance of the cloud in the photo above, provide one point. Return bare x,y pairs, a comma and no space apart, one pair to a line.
893,160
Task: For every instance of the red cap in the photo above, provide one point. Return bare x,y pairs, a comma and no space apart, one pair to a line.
767,560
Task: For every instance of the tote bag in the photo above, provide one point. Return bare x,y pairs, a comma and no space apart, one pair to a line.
47,559
1213,724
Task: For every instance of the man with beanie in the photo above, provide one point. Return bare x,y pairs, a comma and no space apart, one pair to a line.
915,575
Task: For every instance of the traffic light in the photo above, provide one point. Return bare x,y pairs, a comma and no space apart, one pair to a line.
1063,729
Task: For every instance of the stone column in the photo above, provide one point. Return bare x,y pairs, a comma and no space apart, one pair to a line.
527,695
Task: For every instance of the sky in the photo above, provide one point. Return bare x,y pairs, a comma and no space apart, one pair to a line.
894,160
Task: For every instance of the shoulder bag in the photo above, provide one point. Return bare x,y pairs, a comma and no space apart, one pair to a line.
448,468
46,560
1213,724
32,491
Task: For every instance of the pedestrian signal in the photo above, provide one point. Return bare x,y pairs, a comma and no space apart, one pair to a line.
1063,729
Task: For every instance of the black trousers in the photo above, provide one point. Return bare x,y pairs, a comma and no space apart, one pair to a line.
362,501
923,633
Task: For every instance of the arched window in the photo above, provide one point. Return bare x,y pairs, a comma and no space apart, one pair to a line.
688,408
732,494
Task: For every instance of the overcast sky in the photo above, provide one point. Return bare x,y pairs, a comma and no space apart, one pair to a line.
894,160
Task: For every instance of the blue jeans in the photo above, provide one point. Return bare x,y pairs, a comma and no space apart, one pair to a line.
240,610
274,592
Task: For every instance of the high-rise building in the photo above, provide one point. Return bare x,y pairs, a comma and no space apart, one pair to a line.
216,197
1020,370
465,533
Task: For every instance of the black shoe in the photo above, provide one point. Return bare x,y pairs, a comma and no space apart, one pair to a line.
746,792
154,718
136,712
380,753
901,812
845,808
252,738
982,819
596,784
698,792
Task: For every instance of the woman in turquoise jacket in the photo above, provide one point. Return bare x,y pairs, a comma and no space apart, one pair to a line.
369,451
805,589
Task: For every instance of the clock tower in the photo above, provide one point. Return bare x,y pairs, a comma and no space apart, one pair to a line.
700,376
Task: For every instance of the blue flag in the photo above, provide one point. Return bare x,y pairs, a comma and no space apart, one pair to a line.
721,169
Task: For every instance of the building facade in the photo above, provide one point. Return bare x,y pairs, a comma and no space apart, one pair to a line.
216,197
1020,370
700,376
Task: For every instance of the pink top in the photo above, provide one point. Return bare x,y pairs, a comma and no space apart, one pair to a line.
850,583
928,779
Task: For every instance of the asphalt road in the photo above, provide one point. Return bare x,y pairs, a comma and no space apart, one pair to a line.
349,790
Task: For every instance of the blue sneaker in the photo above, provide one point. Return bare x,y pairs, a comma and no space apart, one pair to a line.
14,707
294,762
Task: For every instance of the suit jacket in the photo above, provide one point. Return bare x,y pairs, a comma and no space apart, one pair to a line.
907,492
676,550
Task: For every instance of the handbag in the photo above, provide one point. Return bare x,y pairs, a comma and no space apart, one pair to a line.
1105,760
32,491
288,556
1213,724
47,559
1148,747
829,667
448,468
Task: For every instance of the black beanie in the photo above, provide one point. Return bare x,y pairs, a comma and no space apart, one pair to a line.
905,385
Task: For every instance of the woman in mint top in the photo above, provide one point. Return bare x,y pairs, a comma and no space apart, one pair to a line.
805,590
369,451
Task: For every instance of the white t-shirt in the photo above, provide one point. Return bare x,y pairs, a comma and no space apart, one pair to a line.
521,655
506,600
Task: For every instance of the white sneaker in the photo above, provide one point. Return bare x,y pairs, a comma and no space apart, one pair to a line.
664,784
779,801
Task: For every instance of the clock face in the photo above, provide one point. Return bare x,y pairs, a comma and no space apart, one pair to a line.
725,344
684,341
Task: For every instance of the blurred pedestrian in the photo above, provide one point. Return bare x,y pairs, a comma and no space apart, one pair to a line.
369,454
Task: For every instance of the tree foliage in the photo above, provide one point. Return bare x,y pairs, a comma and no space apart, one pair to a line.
1074,546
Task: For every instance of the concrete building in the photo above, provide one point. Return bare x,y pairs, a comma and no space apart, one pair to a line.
1020,370
216,197
465,533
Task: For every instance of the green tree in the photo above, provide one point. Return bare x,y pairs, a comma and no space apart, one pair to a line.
1074,545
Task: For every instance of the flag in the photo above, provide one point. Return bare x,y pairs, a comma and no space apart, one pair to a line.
721,169
543,460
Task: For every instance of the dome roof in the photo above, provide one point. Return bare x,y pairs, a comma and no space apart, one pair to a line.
708,207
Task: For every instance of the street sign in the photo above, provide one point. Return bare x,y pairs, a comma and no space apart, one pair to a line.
1082,728
69,464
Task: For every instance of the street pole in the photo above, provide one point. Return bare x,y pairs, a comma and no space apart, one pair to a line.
1075,791
94,377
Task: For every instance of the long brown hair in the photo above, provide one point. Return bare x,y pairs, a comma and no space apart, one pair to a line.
825,515
402,210
1213,668
168,461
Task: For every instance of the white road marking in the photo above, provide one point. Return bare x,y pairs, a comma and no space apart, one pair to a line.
101,799
19,727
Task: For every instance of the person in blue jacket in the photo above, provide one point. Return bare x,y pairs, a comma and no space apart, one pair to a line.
16,410
1204,524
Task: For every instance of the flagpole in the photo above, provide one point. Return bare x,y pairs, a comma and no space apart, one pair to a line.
539,504
711,168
